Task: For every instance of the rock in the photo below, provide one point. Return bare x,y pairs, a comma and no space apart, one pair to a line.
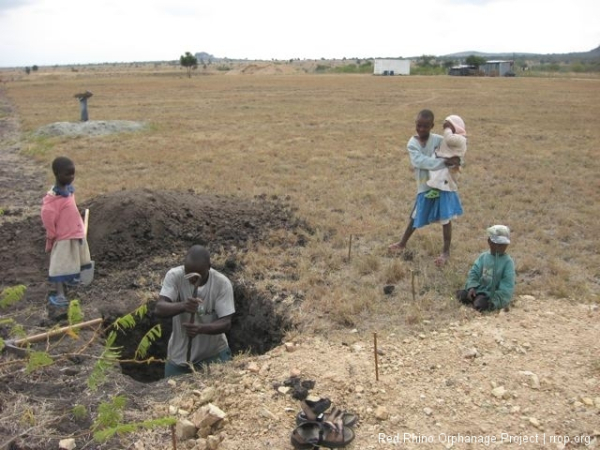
264,412
389,289
264,370
201,444
290,347
597,402
587,401
253,367
381,413
213,442
527,298
207,416
533,421
67,444
171,382
295,373
356,348
534,380
207,395
470,353
283,389
173,410
185,430
428,411
500,392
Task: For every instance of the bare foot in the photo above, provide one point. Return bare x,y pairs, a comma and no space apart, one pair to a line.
396,247
441,260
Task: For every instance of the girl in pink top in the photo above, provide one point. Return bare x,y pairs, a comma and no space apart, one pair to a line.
65,233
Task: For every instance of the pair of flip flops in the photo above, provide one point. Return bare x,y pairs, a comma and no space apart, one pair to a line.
318,428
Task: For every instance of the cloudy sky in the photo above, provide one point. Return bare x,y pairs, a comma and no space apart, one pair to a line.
48,32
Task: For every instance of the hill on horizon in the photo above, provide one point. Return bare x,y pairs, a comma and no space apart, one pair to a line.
591,54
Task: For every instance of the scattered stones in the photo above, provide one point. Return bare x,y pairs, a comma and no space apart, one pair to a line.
428,411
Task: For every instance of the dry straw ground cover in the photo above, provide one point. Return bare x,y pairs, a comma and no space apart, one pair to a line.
333,147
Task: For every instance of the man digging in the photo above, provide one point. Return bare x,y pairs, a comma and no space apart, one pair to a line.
200,301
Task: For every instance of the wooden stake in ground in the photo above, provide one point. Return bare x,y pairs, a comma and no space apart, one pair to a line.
376,362
350,248
412,284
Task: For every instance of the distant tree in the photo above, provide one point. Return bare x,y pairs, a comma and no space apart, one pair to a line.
448,64
474,60
189,61
425,60
34,68
27,70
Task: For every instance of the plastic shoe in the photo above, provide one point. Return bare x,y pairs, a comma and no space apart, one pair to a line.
58,300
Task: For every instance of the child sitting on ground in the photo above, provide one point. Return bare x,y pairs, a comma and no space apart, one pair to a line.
453,144
65,233
491,281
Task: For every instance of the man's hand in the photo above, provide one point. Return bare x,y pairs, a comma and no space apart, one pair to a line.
191,305
472,294
192,329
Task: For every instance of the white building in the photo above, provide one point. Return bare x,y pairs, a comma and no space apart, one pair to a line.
391,67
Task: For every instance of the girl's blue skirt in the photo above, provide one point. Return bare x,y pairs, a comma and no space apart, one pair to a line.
446,207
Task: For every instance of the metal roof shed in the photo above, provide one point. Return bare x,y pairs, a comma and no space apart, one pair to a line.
497,68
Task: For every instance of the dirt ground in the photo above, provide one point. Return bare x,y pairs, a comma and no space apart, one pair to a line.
527,378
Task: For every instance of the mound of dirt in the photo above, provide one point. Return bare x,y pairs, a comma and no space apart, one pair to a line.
89,128
128,226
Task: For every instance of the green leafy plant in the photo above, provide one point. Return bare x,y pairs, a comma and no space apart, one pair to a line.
37,360
110,415
111,353
79,412
12,295
75,314
109,357
152,335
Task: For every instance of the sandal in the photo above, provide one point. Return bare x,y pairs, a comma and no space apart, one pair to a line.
58,300
330,434
349,419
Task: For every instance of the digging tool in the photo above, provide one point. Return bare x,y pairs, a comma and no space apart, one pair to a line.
18,343
192,315
87,274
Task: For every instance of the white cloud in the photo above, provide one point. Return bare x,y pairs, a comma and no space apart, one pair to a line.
47,32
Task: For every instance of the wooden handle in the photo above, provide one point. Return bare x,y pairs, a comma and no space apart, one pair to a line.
86,221
52,333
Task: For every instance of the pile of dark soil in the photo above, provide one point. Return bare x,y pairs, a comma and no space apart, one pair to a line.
129,226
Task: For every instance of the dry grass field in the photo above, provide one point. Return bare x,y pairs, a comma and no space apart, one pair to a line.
334,148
